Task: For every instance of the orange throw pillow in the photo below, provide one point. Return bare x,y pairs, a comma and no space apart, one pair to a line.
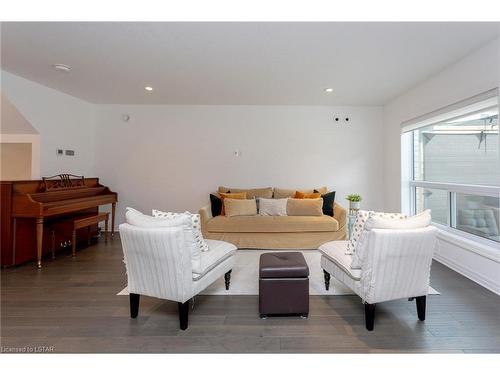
242,195
301,195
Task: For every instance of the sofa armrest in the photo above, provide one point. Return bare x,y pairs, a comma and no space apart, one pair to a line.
340,214
205,215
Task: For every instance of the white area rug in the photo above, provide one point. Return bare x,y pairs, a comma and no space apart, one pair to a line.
245,277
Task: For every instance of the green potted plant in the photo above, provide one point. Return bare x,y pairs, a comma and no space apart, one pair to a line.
354,201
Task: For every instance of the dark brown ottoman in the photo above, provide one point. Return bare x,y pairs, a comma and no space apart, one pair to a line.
283,284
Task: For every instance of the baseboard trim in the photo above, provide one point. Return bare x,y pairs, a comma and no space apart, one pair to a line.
470,274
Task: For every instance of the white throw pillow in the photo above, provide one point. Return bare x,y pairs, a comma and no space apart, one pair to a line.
272,207
359,225
196,222
138,219
421,220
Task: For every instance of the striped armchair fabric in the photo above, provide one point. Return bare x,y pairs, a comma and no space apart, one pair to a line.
396,264
159,264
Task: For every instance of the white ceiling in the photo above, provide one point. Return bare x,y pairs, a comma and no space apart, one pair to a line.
237,63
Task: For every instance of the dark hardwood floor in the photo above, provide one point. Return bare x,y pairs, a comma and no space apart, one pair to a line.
71,306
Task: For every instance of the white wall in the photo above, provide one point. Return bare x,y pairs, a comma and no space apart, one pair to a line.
476,73
172,157
63,121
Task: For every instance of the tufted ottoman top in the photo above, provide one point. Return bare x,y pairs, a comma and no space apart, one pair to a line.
282,265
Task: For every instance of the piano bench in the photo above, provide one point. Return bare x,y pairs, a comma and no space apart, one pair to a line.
85,222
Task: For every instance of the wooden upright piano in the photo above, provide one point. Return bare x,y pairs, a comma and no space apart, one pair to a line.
30,208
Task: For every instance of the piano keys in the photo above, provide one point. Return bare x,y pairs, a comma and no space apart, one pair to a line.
30,208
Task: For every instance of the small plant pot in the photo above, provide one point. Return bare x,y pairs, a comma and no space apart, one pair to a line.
354,206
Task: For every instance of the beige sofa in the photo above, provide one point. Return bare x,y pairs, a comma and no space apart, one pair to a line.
274,232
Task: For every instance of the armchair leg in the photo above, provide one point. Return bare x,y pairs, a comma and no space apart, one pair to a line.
227,278
369,316
327,280
183,314
134,305
421,301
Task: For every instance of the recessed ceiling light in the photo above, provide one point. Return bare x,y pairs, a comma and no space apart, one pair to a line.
328,89
148,88
62,67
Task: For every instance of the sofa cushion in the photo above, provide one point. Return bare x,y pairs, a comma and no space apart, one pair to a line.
270,224
272,207
240,207
302,195
328,203
304,207
219,252
335,251
215,205
223,196
251,193
287,193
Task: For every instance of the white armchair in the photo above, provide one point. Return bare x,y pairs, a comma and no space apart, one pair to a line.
395,264
160,263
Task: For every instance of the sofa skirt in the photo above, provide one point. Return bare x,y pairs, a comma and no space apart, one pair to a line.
278,241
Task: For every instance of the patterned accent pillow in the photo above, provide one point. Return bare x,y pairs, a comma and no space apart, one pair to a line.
195,219
359,224
357,229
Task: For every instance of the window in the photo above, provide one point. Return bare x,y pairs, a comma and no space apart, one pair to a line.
463,150
451,164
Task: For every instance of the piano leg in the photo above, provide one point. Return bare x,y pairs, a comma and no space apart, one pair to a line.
113,210
106,229
53,245
73,244
14,233
39,241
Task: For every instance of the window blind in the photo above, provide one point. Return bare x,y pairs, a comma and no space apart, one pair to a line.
471,105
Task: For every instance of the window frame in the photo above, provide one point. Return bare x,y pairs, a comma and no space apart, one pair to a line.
409,184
